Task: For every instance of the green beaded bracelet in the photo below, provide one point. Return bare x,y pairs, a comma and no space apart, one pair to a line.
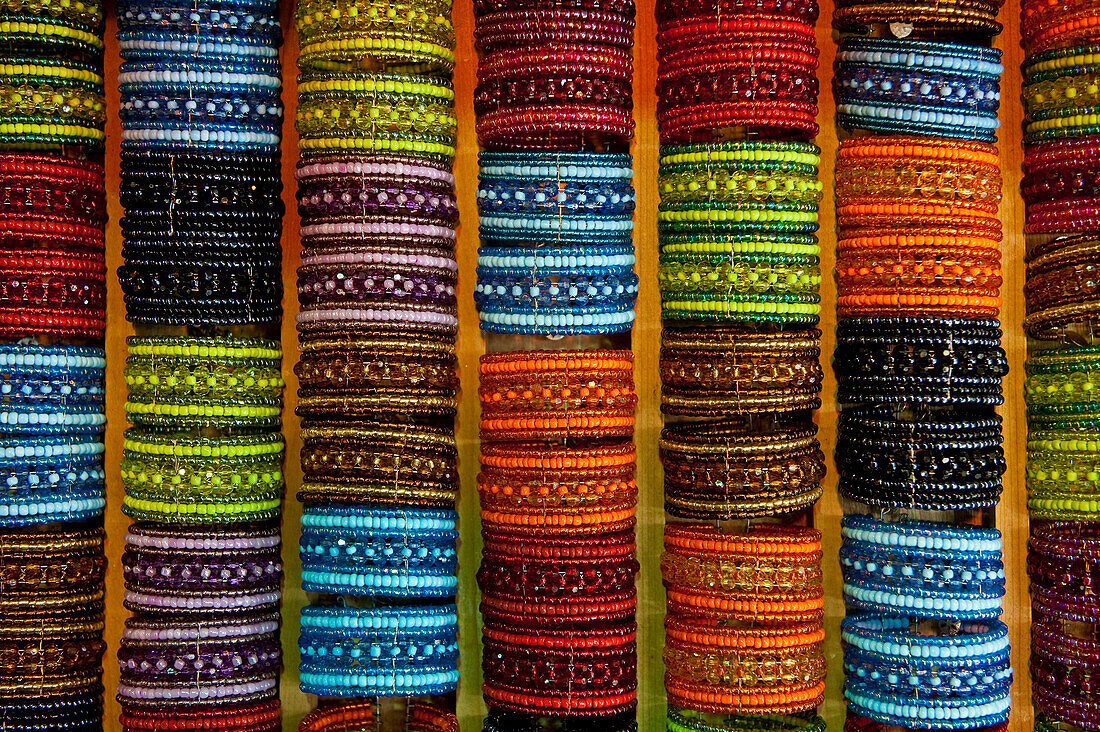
200,478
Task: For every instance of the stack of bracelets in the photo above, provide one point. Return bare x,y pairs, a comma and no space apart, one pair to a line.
201,277
739,277
53,212
919,364
555,294
377,371
1061,193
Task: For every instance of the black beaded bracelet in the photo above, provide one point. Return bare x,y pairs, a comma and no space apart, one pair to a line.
952,461
911,360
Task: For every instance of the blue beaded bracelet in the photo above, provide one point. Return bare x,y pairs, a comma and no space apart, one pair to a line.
249,23
558,321
899,677
568,167
144,45
586,198
51,390
52,506
560,292
379,562
921,569
542,197
403,651
916,87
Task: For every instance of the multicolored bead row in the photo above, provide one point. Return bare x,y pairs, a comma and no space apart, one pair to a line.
202,461
1062,223
555,293
52,367
739,276
377,371
919,366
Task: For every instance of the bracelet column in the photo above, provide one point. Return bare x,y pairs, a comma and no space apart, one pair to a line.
1062,227
53,212
377,371
919,365
201,278
740,364
555,295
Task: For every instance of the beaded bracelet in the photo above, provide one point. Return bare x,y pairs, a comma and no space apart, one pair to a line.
724,470
709,665
51,389
327,197
918,88
420,717
898,677
951,461
201,479
76,712
399,651
562,198
723,97
84,16
562,291
1059,187
583,673
919,360
259,25
1059,567
51,103
423,281
929,174
380,374
580,393
561,25
420,113
561,228
961,16
1058,658
1066,24
1058,94
546,93
736,223
710,573
149,695
921,570
725,372
264,716
396,553
569,489
1059,288
203,381
209,292
51,189
389,457
548,571
184,571
1059,383
50,568
167,663
1061,473
416,38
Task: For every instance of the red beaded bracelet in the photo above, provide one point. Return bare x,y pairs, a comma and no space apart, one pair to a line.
522,64
260,717
520,28
553,127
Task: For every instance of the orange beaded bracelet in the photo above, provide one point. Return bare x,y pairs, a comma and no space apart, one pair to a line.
536,395
744,669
